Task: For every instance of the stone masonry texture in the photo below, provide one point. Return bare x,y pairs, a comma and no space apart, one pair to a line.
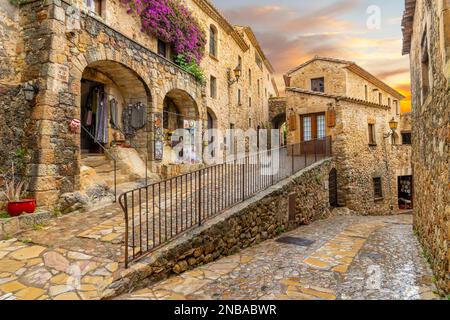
431,136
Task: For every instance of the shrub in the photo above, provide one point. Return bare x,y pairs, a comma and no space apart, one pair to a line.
172,22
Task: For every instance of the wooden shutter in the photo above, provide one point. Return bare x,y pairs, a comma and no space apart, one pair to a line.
292,123
331,119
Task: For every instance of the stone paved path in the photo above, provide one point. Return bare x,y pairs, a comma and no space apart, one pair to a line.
338,258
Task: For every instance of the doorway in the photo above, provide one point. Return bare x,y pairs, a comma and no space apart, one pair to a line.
405,192
91,93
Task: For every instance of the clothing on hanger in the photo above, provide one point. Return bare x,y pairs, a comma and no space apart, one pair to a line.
114,114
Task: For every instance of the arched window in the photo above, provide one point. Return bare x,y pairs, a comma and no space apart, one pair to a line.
213,41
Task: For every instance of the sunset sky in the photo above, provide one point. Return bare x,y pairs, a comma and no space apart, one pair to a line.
293,31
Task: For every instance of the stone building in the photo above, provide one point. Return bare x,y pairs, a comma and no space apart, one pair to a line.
337,98
75,53
426,38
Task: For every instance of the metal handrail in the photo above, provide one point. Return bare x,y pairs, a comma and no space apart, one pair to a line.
113,158
178,204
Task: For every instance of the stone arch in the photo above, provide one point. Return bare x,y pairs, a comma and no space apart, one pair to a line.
126,86
180,111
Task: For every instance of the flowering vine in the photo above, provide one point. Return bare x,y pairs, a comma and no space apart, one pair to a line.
173,23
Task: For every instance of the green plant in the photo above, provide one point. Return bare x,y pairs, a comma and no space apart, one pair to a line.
7,236
319,178
190,66
280,230
4,215
17,2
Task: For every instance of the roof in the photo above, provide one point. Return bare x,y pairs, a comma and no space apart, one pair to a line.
407,25
255,43
338,97
353,67
208,7
217,16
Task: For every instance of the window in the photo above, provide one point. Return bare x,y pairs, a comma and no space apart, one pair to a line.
313,126
162,48
377,188
249,102
250,76
425,59
213,41
320,126
307,129
240,62
258,61
380,98
372,135
397,109
259,88
249,122
366,92
389,102
318,85
94,6
213,87
239,96
265,92
406,138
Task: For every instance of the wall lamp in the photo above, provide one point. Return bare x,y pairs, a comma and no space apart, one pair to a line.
393,125
30,89
237,75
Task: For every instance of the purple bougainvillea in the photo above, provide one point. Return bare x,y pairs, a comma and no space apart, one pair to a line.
173,23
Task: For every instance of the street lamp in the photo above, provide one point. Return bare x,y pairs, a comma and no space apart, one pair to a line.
393,125
30,89
237,75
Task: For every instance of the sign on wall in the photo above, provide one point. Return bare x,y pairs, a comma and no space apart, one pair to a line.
158,136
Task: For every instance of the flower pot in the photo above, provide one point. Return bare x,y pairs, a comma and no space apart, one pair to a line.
16,208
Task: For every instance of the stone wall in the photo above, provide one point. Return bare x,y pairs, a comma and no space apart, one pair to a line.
15,114
11,46
263,217
357,162
431,137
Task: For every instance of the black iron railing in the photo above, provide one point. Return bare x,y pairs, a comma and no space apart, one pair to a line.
160,212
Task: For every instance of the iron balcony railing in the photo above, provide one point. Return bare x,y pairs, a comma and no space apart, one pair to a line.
162,211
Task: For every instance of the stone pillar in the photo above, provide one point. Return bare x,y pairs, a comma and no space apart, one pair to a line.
54,153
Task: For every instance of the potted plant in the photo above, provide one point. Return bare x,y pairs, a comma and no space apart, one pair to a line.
14,193
16,203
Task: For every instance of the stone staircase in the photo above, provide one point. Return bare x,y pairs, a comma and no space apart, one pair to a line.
104,168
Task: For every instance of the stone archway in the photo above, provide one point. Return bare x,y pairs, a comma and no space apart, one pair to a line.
180,111
279,122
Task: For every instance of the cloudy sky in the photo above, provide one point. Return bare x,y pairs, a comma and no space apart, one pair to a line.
293,31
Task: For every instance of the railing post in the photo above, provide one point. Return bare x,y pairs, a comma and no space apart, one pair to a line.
115,181
125,208
200,198
315,151
292,157
243,178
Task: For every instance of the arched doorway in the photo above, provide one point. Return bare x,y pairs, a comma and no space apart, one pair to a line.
333,188
211,124
180,112
279,122
115,106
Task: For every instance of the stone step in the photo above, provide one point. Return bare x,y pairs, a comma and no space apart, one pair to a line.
105,168
120,179
95,162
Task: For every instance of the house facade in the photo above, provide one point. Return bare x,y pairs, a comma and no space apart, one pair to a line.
337,98
103,88
426,38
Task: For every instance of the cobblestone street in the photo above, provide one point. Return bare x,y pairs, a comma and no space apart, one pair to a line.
338,258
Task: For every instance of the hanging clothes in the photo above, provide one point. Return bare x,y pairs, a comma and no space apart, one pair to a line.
114,112
102,119
126,121
138,116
